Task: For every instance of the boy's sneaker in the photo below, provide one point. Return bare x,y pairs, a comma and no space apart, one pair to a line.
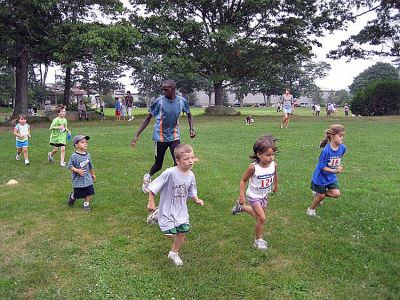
260,244
174,256
17,157
71,200
237,208
311,212
50,158
27,163
62,164
146,182
87,208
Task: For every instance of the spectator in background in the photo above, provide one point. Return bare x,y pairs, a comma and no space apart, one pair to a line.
346,110
129,105
317,109
82,111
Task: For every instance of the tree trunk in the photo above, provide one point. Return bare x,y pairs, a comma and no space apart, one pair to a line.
218,91
67,86
265,100
268,100
21,78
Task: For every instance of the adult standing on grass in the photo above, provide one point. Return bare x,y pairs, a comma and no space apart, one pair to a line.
288,108
324,181
317,109
166,134
129,105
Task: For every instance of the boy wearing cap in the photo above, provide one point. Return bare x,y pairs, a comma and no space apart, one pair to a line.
83,175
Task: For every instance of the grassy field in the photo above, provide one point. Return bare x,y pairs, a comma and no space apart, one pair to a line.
51,251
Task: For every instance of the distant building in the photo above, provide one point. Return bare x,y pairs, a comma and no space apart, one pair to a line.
250,99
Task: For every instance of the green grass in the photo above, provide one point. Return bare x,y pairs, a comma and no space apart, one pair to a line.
48,250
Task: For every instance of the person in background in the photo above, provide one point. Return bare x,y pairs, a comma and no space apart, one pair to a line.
288,108
129,105
22,132
58,136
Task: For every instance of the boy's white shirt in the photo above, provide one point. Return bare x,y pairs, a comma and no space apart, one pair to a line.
174,188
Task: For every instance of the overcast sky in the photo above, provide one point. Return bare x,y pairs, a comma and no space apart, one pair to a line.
342,71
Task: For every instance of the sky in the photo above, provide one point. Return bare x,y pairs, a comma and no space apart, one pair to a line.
343,71
339,77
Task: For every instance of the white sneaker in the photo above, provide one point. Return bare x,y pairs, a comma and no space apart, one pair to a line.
146,182
27,163
62,164
311,212
174,256
260,244
17,157
50,158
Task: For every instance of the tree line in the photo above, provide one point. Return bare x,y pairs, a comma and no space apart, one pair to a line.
257,46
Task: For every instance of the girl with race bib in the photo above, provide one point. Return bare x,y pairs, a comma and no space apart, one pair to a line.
324,181
262,178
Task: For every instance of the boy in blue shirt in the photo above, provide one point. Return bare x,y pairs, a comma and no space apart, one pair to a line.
83,175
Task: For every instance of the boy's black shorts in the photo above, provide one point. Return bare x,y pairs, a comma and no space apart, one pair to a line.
83,192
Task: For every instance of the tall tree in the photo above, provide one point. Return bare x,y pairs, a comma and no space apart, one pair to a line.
24,25
223,40
377,72
79,37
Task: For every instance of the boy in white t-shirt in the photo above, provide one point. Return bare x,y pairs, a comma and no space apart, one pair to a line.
22,132
175,186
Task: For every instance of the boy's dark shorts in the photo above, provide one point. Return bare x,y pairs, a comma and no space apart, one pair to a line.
57,144
184,228
321,189
83,192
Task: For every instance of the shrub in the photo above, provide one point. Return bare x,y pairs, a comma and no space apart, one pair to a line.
221,111
377,99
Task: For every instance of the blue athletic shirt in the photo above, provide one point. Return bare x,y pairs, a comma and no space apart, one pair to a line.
167,114
331,159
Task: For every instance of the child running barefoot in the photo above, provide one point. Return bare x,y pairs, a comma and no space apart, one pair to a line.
262,175
22,133
175,186
324,181
58,136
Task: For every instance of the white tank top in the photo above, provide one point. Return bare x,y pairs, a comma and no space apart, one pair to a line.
260,184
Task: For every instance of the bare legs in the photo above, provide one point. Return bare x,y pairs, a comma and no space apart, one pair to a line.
55,150
257,212
285,121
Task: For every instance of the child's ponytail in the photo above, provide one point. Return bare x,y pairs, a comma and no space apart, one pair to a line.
332,130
